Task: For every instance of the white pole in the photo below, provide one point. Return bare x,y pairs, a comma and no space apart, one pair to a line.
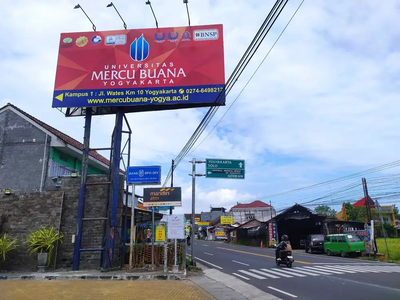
132,228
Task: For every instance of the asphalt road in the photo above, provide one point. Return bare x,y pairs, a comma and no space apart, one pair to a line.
313,276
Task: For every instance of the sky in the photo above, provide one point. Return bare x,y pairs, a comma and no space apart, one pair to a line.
323,104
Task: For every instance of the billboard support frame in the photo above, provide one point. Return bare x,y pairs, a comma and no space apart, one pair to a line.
109,233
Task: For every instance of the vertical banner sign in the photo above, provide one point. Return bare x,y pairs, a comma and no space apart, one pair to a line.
270,232
160,233
275,231
143,69
176,227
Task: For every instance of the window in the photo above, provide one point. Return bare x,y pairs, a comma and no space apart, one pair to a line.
353,238
63,157
334,239
341,239
327,239
250,216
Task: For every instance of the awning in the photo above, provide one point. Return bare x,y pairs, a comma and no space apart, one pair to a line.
142,216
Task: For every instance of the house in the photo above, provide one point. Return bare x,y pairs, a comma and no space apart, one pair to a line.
214,213
387,212
33,154
243,212
297,222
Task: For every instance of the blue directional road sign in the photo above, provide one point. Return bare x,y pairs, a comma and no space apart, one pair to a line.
144,175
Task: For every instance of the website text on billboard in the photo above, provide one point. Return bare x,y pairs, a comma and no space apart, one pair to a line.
179,66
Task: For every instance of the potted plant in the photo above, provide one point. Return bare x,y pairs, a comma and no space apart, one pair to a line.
42,242
6,245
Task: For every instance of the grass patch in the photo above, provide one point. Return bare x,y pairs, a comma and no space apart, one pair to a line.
393,245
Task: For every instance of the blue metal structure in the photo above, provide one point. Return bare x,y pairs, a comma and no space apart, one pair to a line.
82,190
111,237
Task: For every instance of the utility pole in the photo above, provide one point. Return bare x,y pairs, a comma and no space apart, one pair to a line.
270,204
367,201
193,174
172,181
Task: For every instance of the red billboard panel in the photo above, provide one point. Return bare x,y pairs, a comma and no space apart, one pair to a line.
175,67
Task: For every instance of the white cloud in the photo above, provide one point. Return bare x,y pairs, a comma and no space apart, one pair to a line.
324,103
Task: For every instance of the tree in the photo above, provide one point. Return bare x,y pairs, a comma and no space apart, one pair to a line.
359,214
396,212
325,209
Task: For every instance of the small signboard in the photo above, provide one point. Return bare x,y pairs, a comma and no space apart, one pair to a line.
225,168
176,226
162,197
144,175
227,220
160,233
203,224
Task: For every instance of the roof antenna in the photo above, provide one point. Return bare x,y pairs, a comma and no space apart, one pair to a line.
78,6
112,4
149,3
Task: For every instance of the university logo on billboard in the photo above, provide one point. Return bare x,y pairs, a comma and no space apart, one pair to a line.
173,35
139,49
96,40
186,36
203,35
160,37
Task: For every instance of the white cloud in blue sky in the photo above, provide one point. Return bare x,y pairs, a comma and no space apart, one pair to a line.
324,103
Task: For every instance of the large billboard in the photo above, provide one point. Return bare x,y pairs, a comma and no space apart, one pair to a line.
143,69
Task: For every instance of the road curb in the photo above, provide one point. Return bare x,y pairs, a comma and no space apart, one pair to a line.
94,277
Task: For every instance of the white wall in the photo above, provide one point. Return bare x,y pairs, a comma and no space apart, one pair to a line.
261,214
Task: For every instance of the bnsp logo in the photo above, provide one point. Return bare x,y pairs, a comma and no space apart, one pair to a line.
139,49
203,35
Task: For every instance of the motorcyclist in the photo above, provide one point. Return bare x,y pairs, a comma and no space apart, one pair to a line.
188,240
282,245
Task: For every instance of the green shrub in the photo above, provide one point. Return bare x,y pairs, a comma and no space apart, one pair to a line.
6,245
43,241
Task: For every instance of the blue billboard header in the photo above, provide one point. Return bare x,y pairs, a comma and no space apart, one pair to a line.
144,175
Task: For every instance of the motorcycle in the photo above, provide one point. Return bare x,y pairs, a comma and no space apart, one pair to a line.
285,257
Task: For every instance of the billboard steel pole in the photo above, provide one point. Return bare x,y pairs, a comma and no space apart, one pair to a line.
110,245
82,191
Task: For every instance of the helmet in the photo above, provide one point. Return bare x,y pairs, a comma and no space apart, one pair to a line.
285,237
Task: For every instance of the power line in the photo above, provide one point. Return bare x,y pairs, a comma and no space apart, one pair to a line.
251,77
249,53
336,180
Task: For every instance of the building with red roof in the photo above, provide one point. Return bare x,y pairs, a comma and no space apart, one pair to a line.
256,210
361,202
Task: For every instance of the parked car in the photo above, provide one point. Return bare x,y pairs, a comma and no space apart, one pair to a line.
302,241
343,244
314,242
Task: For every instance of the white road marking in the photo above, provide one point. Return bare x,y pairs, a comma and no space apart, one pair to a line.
264,273
286,271
315,271
337,268
319,268
238,275
277,273
328,269
208,253
359,269
283,292
218,267
251,274
238,262
306,272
